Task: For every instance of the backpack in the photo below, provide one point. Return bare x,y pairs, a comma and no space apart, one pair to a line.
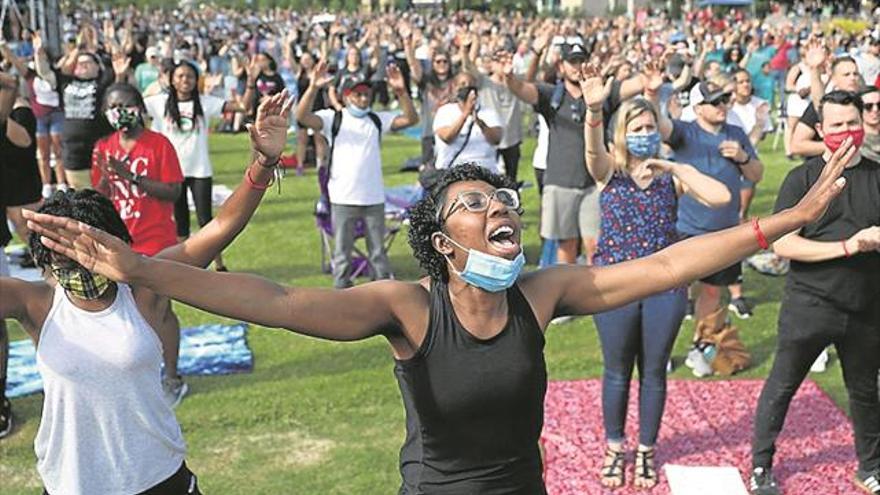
337,123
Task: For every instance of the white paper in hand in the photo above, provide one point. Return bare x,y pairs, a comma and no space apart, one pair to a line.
704,480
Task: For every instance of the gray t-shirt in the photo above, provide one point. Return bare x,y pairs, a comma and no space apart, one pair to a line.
871,147
496,96
565,155
434,94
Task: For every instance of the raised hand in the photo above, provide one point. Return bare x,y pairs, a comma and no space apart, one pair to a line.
121,63
395,78
253,70
542,41
269,131
319,77
593,88
94,249
813,205
816,54
652,76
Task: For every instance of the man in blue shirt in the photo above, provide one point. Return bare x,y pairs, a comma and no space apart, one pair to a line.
725,153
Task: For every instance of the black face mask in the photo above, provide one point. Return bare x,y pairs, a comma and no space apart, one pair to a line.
464,92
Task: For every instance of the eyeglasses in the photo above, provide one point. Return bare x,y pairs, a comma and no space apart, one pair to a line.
870,107
477,201
441,61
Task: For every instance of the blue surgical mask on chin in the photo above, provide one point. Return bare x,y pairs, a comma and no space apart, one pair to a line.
488,272
643,145
356,111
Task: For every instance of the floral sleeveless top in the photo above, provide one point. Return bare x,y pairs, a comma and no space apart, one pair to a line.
635,222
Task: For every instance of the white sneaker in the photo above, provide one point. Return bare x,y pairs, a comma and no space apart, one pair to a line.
63,187
821,362
47,191
697,362
175,389
561,320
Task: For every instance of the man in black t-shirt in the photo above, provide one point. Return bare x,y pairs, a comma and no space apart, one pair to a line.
831,297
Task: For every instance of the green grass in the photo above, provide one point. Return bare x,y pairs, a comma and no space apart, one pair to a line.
320,417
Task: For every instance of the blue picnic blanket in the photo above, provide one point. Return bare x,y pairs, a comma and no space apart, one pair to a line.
204,350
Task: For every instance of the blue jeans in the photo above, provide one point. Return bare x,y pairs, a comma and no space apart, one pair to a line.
640,333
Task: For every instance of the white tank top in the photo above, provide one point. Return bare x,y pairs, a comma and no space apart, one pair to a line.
106,428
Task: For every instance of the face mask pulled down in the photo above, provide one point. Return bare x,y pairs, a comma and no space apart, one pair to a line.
488,272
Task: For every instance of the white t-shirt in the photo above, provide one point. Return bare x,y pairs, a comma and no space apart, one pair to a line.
356,167
748,114
191,140
478,149
539,159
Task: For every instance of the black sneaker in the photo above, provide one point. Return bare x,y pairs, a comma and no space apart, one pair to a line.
5,417
762,482
869,481
741,308
689,312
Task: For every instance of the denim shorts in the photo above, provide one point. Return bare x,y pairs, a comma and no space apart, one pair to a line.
50,124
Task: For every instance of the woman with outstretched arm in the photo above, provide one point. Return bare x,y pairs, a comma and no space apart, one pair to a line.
468,340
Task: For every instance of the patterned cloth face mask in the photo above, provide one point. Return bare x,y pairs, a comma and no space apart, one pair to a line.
643,145
123,118
81,283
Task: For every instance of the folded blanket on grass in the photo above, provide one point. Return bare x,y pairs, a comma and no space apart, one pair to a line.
204,350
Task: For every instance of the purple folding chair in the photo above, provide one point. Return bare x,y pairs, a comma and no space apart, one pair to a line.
360,262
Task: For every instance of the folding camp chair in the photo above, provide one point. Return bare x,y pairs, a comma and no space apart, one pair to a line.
395,213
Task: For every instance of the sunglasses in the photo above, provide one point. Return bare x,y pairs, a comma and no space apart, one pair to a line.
721,100
478,201
870,107
441,61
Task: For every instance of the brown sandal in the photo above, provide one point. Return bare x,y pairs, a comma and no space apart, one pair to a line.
612,469
646,474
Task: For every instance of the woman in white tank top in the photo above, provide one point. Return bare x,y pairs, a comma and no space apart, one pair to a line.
106,428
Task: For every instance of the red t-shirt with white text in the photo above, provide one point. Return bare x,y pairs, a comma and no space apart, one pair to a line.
150,221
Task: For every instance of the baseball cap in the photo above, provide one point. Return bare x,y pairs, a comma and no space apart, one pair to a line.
711,93
152,52
573,52
354,82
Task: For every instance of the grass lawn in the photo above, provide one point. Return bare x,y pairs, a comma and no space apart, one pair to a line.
321,417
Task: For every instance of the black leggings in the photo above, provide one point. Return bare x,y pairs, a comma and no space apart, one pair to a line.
183,482
201,192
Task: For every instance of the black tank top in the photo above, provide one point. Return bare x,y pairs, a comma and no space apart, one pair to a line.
474,408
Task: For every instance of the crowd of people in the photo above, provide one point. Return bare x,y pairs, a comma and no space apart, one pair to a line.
646,164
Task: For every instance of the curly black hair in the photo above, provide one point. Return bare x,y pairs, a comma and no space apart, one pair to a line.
423,215
85,205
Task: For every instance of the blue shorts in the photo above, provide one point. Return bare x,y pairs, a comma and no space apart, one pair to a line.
50,124
746,184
